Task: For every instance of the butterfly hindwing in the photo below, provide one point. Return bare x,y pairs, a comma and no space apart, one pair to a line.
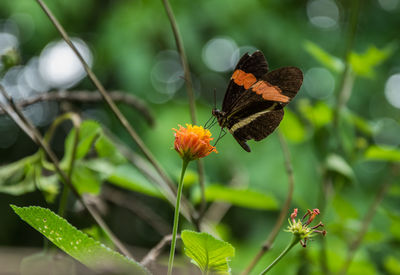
258,128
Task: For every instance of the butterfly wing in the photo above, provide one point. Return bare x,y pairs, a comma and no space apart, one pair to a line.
259,128
258,110
247,71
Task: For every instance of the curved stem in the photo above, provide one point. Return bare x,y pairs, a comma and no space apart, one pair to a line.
182,54
293,242
64,196
176,217
364,227
270,239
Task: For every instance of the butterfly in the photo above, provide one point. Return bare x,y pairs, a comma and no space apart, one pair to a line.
254,100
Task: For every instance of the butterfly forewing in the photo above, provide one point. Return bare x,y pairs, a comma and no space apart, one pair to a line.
248,69
254,101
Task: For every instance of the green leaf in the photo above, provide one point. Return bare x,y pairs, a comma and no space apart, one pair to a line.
86,180
98,234
77,244
319,115
392,265
106,149
363,64
361,123
128,177
18,178
88,132
208,253
239,197
338,164
331,62
292,127
344,208
383,153
103,167
49,186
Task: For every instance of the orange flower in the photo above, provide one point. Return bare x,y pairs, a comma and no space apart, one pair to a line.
193,142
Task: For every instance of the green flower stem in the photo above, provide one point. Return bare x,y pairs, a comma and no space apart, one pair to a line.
293,242
176,217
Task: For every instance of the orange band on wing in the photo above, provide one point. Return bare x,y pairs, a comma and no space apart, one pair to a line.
244,79
269,92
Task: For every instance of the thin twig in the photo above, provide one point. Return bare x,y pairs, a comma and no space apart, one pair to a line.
141,210
168,186
365,225
191,98
156,251
37,137
326,193
90,97
347,80
182,54
284,211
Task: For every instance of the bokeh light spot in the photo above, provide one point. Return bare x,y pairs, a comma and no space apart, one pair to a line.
220,54
323,13
7,42
392,90
60,67
388,5
387,132
319,83
167,76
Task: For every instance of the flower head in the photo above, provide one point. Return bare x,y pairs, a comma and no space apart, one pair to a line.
301,229
193,142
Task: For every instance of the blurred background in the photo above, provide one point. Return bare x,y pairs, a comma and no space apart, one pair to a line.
344,157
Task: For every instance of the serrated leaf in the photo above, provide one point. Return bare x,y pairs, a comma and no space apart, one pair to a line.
77,244
128,177
383,153
331,62
240,197
338,164
211,255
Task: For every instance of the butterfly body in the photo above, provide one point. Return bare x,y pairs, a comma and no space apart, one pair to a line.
254,100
